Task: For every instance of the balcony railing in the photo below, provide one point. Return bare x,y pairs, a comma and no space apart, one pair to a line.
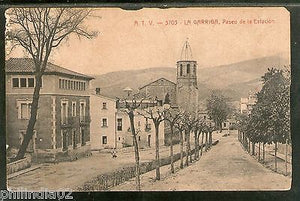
84,120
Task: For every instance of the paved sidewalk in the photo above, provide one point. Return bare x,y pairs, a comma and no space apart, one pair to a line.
225,167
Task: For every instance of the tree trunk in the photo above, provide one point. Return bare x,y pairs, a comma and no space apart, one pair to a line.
275,156
196,145
259,151
136,153
157,151
286,156
206,141
181,149
202,143
171,150
253,148
264,154
32,120
220,124
210,139
249,145
187,134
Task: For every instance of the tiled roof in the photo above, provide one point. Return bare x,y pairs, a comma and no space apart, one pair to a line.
26,65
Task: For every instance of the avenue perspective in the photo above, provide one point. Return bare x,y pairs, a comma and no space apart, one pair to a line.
106,99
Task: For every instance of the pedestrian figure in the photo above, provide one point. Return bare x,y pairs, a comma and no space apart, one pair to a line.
114,153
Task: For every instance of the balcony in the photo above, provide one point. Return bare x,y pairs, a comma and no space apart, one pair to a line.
67,122
84,120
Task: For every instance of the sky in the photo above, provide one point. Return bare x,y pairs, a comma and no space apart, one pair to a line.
124,43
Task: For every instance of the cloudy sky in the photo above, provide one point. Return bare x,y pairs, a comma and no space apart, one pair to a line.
124,43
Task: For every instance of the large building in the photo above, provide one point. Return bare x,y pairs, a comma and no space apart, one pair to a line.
110,125
62,129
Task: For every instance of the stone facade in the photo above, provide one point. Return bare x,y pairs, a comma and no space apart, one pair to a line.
159,88
186,87
63,120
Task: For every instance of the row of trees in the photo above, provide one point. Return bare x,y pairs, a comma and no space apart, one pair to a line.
186,123
269,120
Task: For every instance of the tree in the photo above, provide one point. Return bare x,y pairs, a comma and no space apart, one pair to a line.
198,128
269,121
155,113
130,108
38,31
274,98
218,109
180,126
189,119
172,116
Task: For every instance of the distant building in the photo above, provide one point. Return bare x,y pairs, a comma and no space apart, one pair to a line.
62,129
246,104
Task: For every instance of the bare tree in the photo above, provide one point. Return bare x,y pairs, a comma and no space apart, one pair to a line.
180,126
198,128
130,107
189,121
172,116
38,31
155,113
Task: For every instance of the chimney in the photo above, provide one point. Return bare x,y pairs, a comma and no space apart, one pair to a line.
98,91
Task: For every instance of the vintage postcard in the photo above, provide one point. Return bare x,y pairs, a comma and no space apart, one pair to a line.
178,99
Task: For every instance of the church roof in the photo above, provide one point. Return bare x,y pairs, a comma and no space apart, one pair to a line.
163,79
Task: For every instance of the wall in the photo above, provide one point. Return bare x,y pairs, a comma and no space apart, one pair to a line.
97,114
124,137
159,89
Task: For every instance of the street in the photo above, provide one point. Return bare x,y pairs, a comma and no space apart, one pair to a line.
225,167
73,174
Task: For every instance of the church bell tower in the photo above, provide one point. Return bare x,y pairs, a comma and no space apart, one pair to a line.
187,88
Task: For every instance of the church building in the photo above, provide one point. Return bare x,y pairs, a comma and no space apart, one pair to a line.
183,93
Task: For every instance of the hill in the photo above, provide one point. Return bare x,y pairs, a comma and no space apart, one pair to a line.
234,80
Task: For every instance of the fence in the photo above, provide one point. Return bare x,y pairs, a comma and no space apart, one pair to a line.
18,165
266,155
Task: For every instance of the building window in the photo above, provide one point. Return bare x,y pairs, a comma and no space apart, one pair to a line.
139,138
188,68
104,122
104,106
15,82
119,124
64,112
73,109
119,138
194,68
104,139
25,110
180,69
23,82
139,123
82,111
30,82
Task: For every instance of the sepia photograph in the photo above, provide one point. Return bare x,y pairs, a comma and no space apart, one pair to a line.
177,99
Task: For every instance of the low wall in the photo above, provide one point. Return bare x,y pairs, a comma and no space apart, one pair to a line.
18,165
116,177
